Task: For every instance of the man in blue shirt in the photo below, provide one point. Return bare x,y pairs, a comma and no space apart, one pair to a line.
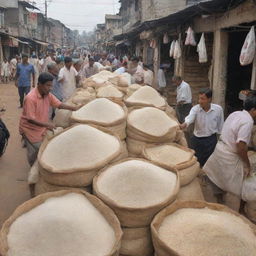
23,78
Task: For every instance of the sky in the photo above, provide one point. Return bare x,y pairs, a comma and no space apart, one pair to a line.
79,14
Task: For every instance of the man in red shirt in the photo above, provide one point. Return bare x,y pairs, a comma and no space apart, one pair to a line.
34,121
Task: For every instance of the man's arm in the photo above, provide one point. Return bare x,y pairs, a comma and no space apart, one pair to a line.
242,151
17,76
68,107
189,119
33,80
49,126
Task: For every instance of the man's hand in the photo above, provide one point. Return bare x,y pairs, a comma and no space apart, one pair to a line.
183,126
50,126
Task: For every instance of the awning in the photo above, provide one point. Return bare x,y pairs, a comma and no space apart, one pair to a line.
42,43
22,42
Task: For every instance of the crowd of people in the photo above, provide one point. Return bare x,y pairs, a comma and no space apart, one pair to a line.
221,147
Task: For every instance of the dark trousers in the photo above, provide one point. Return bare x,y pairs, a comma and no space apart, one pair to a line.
182,111
22,92
204,147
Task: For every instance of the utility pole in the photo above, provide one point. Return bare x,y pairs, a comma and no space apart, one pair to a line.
45,7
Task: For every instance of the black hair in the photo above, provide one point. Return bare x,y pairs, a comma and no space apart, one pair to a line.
135,59
45,77
250,103
91,59
175,78
67,59
24,55
207,92
146,66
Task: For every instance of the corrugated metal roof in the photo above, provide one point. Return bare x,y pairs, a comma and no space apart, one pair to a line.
180,17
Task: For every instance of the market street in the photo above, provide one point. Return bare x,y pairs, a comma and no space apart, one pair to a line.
13,164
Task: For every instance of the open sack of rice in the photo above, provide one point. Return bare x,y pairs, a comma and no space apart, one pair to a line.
172,155
66,223
136,190
195,228
151,125
110,92
98,80
103,113
146,96
74,157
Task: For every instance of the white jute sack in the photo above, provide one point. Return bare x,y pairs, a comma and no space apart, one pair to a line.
250,210
110,92
135,147
122,80
151,125
172,155
136,190
132,88
249,183
74,157
136,242
33,175
191,192
62,118
42,187
66,223
82,97
103,113
146,96
198,228
123,154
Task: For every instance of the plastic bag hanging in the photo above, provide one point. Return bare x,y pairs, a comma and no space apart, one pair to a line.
201,49
248,50
166,38
153,43
190,39
171,53
177,50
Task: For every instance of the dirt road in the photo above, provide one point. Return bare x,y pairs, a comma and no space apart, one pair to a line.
13,164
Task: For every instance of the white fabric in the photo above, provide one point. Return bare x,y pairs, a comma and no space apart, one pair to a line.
5,69
120,71
161,78
184,94
201,49
69,81
249,189
148,77
177,50
225,169
171,52
206,123
190,39
248,50
237,127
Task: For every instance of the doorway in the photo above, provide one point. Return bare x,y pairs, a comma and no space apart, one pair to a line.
238,77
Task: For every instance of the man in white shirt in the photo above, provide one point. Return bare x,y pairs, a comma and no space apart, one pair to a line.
208,119
122,70
229,164
184,98
68,77
91,68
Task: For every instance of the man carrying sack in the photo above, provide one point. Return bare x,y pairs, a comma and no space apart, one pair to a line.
229,164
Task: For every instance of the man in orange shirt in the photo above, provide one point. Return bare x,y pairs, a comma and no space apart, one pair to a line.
34,121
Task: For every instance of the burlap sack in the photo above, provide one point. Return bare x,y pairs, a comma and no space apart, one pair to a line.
62,118
110,92
42,187
79,177
146,96
191,192
29,205
188,170
250,210
161,248
134,217
136,242
151,131
124,153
